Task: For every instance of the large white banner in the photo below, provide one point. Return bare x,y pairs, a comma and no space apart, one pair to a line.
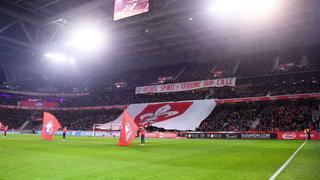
183,115
186,86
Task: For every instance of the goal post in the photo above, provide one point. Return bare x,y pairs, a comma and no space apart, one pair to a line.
105,128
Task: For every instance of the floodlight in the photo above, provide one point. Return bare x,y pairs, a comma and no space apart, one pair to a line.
244,8
87,38
59,57
71,61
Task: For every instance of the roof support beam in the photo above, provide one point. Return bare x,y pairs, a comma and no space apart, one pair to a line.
79,10
26,32
46,5
19,16
28,45
154,42
8,26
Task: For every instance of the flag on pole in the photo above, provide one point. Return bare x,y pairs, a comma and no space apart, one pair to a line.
128,129
49,126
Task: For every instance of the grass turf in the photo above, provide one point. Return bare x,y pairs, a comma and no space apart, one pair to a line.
30,157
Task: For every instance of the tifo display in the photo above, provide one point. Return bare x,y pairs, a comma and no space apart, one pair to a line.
159,89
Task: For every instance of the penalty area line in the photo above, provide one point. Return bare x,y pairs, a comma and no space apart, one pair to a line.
286,163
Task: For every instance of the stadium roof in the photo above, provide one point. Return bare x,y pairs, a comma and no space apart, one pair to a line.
172,27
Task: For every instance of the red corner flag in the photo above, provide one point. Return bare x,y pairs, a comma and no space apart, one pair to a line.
128,129
49,126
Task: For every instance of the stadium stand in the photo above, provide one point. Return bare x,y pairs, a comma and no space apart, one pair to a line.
92,75
15,118
268,74
83,120
266,116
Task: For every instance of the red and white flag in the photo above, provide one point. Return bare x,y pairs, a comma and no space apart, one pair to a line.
183,115
1,126
128,129
50,126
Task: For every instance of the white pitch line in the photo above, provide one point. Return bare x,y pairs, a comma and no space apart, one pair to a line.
286,163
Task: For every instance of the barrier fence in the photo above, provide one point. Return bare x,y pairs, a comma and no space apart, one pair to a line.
251,135
281,135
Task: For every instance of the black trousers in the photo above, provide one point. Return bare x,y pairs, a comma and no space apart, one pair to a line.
309,135
5,133
64,135
142,139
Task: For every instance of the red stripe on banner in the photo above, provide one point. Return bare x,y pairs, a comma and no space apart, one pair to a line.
298,135
37,104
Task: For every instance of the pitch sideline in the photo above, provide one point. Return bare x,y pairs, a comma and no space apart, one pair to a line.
287,162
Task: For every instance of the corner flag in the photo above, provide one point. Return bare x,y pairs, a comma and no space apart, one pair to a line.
49,126
128,129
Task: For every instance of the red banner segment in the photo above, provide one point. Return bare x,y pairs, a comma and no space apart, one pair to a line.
186,86
1,126
29,103
298,135
65,108
50,126
128,129
162,135
44,94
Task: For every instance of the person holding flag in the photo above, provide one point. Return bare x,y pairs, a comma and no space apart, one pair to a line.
64,134
5,131
142,135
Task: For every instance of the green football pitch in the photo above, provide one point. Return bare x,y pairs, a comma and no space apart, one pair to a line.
30,157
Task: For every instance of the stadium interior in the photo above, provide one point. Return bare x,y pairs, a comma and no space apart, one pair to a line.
80,61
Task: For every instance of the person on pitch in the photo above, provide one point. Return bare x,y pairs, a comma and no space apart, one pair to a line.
5,131
307,133
64,134
142,135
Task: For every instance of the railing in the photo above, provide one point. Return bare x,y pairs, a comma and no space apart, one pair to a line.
38,94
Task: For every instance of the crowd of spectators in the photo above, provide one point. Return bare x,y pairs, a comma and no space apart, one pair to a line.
288,72
289,61
265,86
264,116
15,118
283,73
259,116
84,120
74,120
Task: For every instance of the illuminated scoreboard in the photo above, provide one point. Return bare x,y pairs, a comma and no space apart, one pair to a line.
128,8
